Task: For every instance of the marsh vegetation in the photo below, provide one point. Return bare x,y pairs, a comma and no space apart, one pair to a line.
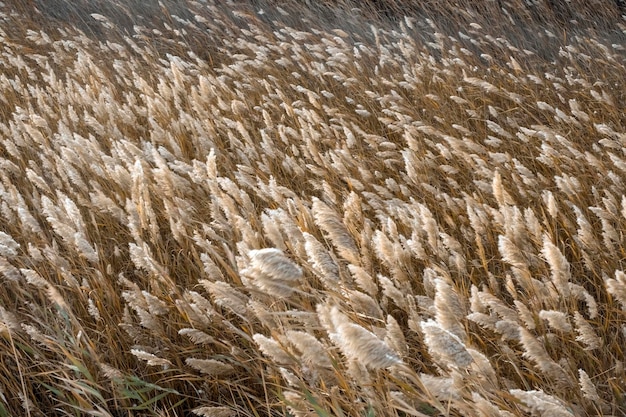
312,209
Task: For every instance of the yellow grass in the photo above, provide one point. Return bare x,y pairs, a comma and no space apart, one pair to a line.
312,209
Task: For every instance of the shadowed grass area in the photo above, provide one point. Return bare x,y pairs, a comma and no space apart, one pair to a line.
312,208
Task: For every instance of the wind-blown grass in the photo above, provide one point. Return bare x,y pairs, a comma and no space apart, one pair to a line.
264,209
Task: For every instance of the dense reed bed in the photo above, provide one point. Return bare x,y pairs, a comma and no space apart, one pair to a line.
310,209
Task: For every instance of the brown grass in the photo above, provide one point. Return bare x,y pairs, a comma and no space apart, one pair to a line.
290,209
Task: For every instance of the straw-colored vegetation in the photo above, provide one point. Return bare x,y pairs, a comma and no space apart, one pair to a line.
241,209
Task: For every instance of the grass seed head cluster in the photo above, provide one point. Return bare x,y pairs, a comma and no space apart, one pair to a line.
312,209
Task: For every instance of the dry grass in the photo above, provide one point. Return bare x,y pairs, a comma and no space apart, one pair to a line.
241,209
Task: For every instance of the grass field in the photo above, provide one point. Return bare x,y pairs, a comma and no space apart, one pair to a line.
300,208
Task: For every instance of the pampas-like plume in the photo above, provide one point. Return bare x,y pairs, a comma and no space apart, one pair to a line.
224,295
511,253
587,387
273,272
297,405
448,309
197,336
441,387
586,334
26,218
535,351
617,287
582,294
498,306
364,304
33,278
313,351
501,195
445,345
395,337
364,280
93,310
390,290
214,412
330,222
559,267
585,231
551,204
557,320
525,314
110,372
151,359
273,349
321,260
355,342
481,367
8,321
362,345
8,271
486,408
210,366
274,264
8,246
272,232
541,404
